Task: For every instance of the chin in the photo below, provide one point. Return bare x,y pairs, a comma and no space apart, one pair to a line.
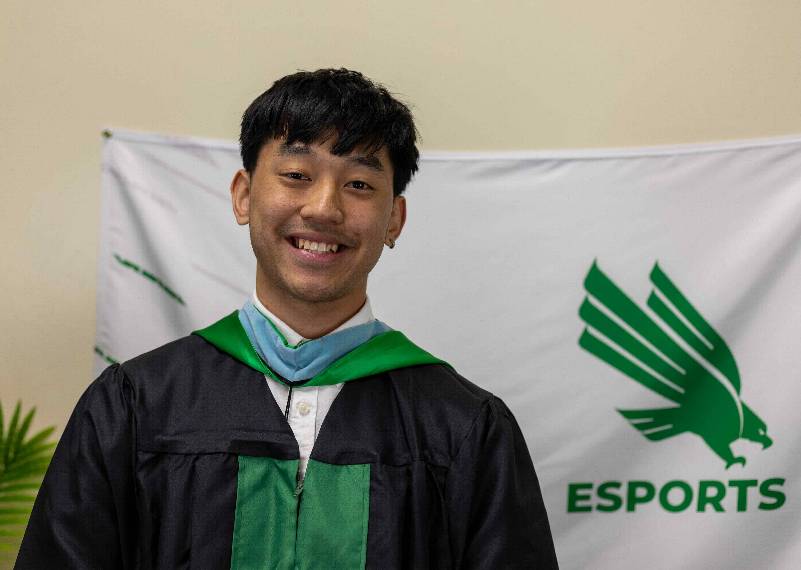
318,294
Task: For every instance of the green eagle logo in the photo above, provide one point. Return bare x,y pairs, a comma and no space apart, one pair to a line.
678,355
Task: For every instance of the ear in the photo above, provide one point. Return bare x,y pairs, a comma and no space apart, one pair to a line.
240,197
397,218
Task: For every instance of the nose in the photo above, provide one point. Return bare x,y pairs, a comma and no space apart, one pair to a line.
323,203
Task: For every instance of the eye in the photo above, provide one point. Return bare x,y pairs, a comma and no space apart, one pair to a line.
295,175
359,185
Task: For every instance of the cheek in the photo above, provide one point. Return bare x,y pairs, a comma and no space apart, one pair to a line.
265,222
268,215
373,237
373,234
374,222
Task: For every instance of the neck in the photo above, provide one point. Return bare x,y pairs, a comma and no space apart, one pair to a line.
309,319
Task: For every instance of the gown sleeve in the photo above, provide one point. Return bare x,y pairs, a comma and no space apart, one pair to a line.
497,517
84,514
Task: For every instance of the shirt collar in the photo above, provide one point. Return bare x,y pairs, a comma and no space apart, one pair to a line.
293,338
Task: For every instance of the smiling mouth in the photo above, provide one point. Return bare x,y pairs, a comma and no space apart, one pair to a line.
316,246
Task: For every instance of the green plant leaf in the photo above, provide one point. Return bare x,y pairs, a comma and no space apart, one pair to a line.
2,429
14,520
5,547
43,450
22,432
23,462
7,533
14,487
18,498
36,439
12,434
26,462
4,511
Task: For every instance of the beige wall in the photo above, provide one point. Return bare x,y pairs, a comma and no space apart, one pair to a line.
480,75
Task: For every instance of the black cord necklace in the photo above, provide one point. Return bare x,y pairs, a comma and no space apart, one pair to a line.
288,403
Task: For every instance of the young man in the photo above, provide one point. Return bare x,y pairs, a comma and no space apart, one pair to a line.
299,431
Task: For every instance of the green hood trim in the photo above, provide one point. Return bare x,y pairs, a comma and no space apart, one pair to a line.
228,335
383,352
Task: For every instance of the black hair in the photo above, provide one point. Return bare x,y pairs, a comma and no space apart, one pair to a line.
311,106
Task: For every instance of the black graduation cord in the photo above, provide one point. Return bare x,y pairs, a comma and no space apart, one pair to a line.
288,403
299,486
289,396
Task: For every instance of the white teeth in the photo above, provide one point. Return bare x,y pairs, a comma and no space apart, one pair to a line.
309,245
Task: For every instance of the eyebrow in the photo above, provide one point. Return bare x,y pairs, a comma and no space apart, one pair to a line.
370,161
293,149
367,160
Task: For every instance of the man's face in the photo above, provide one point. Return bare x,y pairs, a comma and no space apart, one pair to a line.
318,222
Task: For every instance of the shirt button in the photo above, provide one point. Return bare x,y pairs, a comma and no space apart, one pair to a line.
304,409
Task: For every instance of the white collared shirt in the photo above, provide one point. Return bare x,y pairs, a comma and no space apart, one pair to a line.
309,405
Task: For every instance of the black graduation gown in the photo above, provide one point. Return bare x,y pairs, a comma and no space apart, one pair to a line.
180,458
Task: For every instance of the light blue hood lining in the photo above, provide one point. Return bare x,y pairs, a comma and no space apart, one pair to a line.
310,357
